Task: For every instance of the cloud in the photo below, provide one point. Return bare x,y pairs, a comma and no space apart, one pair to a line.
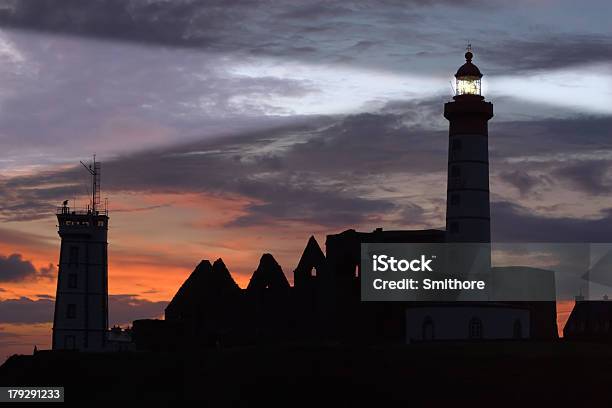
203,24
14,268
524,181
25,310
119,98
546,52
176,23
127,308
510,222
544,140
122,309
214,77
7,337
335,171
592,177
47,272
321,31
316,173
24,239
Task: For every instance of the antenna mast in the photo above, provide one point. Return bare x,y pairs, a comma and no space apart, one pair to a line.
95,170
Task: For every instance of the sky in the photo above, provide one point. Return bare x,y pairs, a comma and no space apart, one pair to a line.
227,129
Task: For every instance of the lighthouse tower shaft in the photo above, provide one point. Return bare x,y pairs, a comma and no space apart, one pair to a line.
467,204
80,320
81,304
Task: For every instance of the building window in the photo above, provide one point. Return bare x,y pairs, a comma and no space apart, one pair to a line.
475,328
356,276
313,273
100,223
454,227
72,280
428,329
517,329
69,343
455,171
74,255
456,144
455,199
71,311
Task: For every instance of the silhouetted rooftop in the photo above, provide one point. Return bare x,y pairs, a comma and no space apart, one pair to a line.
468,69
205,282
268,275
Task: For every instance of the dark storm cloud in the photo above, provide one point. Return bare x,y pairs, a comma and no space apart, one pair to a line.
511,222
13,268
122,309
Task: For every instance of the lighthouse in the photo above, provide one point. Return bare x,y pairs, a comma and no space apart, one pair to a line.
467,204
80,320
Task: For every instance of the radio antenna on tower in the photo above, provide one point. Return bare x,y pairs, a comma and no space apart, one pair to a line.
94,169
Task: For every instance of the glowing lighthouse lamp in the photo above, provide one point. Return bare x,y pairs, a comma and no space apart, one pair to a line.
468,77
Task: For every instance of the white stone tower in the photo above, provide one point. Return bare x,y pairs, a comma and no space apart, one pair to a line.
80,320
467,204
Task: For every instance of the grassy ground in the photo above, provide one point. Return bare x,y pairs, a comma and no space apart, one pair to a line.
478,374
